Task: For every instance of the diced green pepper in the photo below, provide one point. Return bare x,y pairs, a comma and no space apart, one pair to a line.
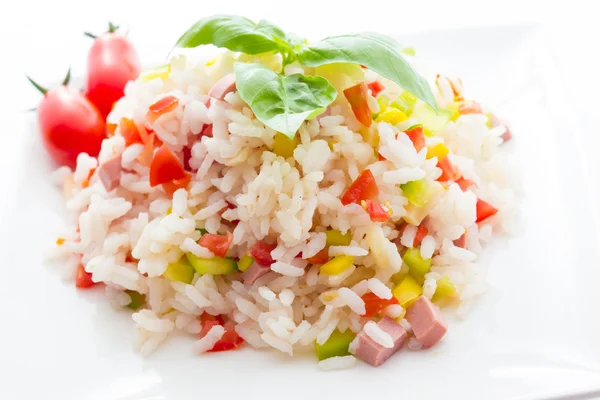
407,291
137,299
418,192
417,266
181,271
444,289
336,346
202,231
212,266
405,102
335,238
245,262
432,120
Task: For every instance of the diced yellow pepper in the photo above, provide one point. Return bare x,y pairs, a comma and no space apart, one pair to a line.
427,132
169,210
335,238
337,265
161,72
370,136
284,146
407,291
444,289
383,102
245,262
439,150
392,116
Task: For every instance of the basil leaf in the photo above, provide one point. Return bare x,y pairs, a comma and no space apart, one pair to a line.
282,102
234,33
377,52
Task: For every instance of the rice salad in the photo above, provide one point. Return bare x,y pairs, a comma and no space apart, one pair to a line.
207,213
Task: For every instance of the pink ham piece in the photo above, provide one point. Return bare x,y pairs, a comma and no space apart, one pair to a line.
109,173
254,272
223,86
461,241
427,322
372,352
506,136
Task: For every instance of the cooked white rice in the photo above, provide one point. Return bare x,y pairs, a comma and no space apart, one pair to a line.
128,237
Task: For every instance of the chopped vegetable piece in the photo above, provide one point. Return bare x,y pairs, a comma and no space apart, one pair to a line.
471,107
407,291
376,88
137,299
162,106
414,215
357,97
363,188
439,150
398,277
464,184
230,339
392,116
83,279
417,266
405,102
320,258
111,129
430,119
447,170
129,131
217,244
337,265
212,266
161,72
376,212
180,270
284,146
370,136
336,346
383,102
176,184
421,233
444,289
360,273
165,167
261,252
484,210
374,305
418,192
245,262
335,238
415,134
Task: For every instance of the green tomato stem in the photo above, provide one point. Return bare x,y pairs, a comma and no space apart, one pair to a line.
67,78
91,35
38,87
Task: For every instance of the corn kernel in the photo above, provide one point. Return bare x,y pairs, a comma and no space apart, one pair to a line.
337,265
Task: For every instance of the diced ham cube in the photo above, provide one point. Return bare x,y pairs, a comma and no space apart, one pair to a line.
109,173
427,322
254,272
223,86
374,353
461,241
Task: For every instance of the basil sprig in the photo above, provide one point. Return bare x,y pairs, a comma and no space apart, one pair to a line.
284,102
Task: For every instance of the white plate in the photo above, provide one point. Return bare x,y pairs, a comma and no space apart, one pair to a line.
534,335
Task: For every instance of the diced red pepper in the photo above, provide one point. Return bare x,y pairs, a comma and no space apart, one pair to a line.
374,305
357,97
111,129
165,167
421,233
447,170
320,258
83,279
417,136
171,187
376,212
230,339
376,88
261,252
130,132
484,210
207,130
86,182
464,184
162,106
471,107
217,244
363,188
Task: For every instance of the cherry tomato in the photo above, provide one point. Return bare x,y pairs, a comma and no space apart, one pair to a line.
376,212
374,305
70,124
171,187
217,244
83,279
165,167
112,62
363,188
261,252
